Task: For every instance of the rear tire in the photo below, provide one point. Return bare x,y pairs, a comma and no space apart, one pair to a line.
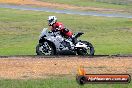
83,51
45,49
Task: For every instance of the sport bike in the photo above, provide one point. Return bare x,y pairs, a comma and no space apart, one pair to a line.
53,43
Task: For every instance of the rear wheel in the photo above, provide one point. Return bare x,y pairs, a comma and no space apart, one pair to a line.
45,49
88,51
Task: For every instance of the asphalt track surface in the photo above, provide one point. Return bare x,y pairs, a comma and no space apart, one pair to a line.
46,9
33,66
61,56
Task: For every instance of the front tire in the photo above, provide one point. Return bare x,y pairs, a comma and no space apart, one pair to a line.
90,51
45,49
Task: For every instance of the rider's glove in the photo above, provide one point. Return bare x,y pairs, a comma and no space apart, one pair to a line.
55,30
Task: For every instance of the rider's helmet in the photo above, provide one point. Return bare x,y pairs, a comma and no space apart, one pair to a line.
52,20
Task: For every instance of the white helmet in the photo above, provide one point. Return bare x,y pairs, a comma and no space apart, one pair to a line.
52,20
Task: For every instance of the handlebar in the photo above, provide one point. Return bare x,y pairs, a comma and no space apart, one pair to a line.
54,33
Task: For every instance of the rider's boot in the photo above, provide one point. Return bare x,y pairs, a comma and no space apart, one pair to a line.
71,43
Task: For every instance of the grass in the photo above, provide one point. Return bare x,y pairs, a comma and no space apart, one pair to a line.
19,31
55,83
114,4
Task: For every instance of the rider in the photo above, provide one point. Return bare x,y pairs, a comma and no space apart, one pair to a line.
58,26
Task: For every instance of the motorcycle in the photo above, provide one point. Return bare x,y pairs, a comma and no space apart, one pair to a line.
52,43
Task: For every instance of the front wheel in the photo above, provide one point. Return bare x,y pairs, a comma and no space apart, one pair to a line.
83,51
44,49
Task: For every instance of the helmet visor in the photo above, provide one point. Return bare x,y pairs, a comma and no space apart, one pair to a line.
50,21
